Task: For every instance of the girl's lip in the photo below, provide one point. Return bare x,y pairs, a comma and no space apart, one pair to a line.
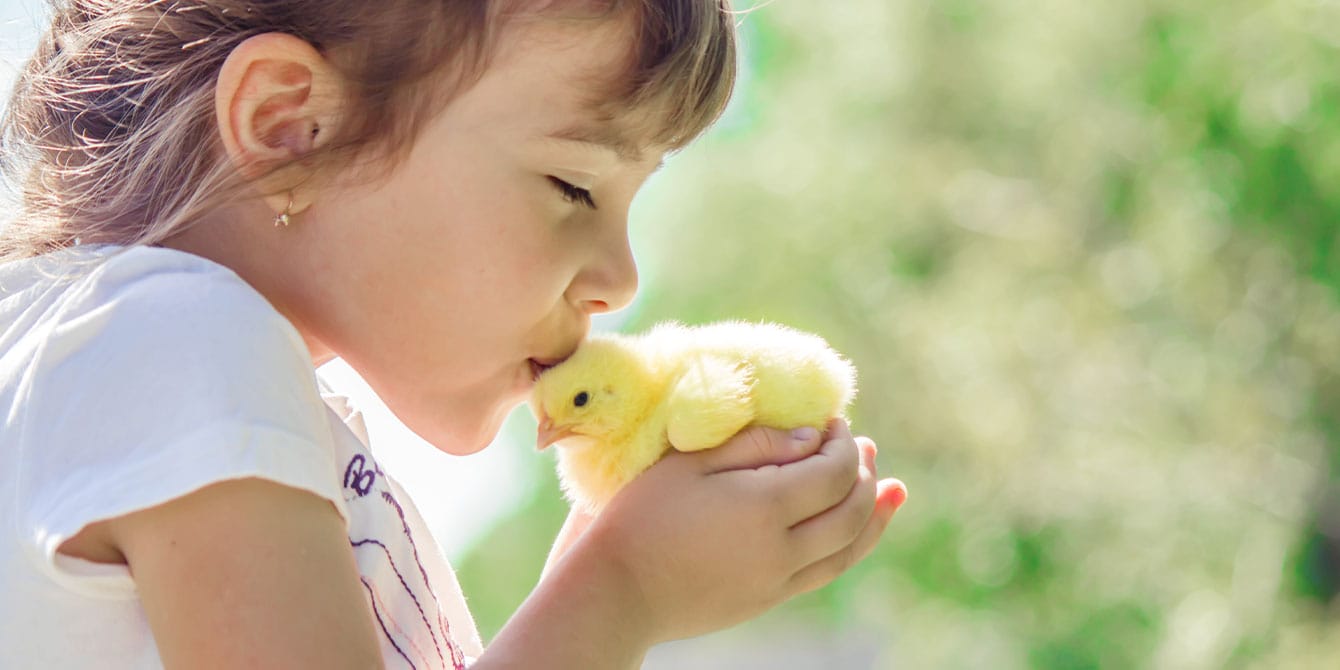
539,365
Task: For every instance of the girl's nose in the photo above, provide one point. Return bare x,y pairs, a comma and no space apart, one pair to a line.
608,282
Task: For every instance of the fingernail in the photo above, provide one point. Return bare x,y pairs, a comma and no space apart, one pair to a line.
869,453
805,434
897,498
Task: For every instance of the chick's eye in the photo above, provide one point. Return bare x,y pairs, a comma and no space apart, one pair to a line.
573,194
581,398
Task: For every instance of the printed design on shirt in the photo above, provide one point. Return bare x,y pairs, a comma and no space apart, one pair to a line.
377,608
403,601
358,477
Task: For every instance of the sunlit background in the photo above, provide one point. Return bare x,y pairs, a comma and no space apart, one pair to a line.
1085,258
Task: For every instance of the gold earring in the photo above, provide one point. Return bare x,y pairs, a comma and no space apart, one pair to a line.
283,217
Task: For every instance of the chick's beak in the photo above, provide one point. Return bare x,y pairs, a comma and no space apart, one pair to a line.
550,433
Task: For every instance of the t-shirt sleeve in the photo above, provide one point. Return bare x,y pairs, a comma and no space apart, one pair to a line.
160,377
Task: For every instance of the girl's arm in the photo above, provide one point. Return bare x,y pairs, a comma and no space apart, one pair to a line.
576,524
584,614
700,542
244,573
250,573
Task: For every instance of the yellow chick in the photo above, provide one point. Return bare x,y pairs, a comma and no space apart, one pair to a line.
620,402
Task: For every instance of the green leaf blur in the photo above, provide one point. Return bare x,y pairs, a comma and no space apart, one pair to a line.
1085,258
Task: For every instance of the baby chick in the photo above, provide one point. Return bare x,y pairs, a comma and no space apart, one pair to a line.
619,402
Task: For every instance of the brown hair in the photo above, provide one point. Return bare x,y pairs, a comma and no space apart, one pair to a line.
109,135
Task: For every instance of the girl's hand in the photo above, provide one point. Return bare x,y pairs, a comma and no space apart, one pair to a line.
708,539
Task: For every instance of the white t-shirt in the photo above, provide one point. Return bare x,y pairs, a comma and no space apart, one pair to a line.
150,374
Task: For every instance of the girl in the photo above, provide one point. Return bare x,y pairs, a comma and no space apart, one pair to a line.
220,195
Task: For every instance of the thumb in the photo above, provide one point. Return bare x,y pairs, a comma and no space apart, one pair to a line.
757,446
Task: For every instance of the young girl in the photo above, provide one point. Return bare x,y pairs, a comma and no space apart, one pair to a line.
220,195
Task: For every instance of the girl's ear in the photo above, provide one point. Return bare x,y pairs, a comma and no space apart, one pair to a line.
274,101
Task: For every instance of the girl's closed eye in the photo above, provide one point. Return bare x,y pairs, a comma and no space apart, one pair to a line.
573,194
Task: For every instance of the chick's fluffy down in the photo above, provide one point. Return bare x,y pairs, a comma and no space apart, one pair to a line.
619,402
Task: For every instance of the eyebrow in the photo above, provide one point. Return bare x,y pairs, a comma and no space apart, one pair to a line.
603,135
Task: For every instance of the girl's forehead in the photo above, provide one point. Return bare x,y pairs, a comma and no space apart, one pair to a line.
663,77
559,80
600,50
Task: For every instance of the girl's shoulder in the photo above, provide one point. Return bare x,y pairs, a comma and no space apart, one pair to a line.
142,343
90,275
136,298
132,377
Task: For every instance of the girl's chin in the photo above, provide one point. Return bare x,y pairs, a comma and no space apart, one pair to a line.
472,418
471,435
461,443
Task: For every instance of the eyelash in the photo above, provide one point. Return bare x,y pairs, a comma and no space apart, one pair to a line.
573,194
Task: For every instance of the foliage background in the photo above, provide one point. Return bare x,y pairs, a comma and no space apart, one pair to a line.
1085,258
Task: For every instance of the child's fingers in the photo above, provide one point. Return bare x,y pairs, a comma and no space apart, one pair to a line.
820,482
757,446
838,429
890,495
868,453
866,441
839,526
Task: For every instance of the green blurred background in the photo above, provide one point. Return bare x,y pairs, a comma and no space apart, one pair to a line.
1085,258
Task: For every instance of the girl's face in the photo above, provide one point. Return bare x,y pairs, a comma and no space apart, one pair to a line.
482,254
